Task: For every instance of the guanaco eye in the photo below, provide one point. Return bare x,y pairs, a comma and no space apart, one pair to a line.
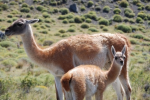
124,57
116,58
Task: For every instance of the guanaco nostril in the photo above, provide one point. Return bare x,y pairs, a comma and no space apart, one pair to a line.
121,62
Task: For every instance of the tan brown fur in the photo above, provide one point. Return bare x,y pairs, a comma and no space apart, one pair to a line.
58,58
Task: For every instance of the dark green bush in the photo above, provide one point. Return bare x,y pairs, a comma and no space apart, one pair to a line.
62,31
133,41
24,5
71,30
44,32
64,11
106,9
97,8
4,6
138,36
117,11
39,8
103,21
48,20
88,20
9,16
105,29
24,9
134,28
31,7
91,15
142,15
46,15
126,19
135,2
124,3
148,22
84,25
93,29
117,18
65,21
54,3
147,7
61,17
139,20
47,43
82,8
13,3
9,21
77,19
124,28
90,3
131,21
28,16
129,13
71,20
148,16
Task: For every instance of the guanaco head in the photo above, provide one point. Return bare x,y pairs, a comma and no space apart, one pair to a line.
119,57
19,27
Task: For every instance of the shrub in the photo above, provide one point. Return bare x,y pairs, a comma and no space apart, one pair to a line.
139,20
105,29
31,7
134,28
62,31
117,18
93,29
6,44
9,21
106,9
77,19
129,13
28,82
103,21
126,19
46,15
71,30
135,2
61,17
48,20
24,5
90,3
28,16
4,6
124,28
117,11
65,21
71,20
91,15
84,25
39,8
131,21
97,8
24,9
12,3
47,43
138,36
83,8
9,16
88,20
142,15
44,32
147,7
64,11
133,41
124,3
148,22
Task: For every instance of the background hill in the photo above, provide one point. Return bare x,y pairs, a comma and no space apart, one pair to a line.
21,79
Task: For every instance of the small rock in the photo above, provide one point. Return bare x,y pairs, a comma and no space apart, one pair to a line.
2,35
73,8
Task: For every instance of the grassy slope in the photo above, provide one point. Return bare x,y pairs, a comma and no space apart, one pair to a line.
17,74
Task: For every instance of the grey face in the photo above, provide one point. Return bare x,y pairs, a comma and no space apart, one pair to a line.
17,28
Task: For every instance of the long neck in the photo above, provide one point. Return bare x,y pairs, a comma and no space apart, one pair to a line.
35,53
113,72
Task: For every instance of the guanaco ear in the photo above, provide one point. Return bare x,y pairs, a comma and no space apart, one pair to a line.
113,50
124,50
32,21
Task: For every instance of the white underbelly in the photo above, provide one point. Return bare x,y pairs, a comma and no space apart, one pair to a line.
90,88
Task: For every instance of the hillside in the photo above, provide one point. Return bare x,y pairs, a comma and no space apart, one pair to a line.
21,79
